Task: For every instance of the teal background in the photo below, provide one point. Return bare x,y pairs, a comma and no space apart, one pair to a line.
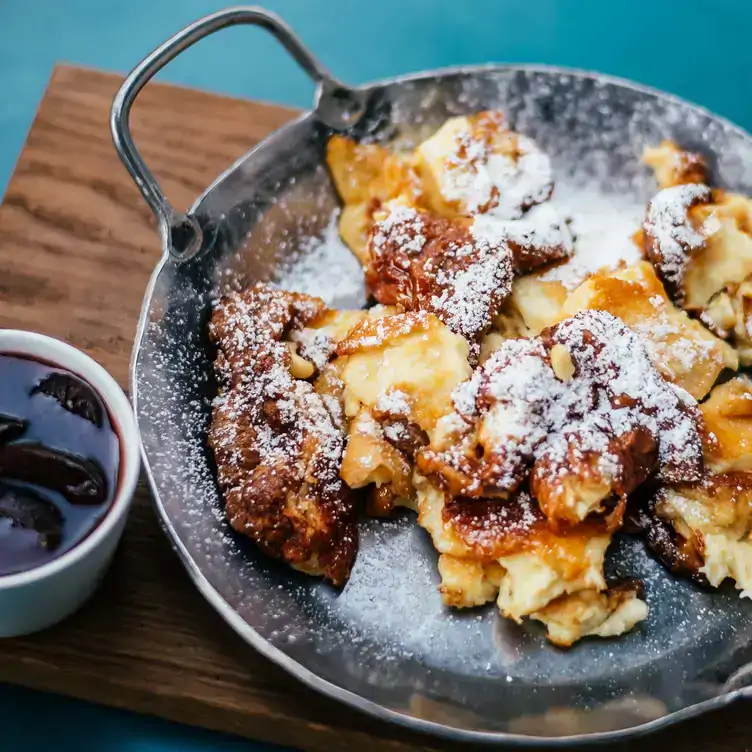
694,48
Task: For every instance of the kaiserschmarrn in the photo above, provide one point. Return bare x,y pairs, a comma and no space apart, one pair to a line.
525,420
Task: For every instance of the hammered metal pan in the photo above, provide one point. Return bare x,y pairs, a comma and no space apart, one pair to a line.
384,644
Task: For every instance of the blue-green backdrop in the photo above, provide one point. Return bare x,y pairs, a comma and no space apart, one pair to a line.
694,48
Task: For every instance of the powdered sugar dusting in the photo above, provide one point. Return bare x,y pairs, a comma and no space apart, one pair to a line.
314,345
326,268
394,402
540,227
403,226
466,300
494,525
483,180
622,365
670,230
396,432
666,343
603,227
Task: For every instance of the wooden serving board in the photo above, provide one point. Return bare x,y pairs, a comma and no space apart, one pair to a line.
77,244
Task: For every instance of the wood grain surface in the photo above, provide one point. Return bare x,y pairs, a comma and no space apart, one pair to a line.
77,244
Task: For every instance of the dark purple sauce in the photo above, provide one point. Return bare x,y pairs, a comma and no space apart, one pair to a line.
59,462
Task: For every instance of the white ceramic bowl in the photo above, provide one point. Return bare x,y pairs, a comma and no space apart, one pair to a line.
39,597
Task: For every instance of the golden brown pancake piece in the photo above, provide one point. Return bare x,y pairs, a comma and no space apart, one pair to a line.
277,449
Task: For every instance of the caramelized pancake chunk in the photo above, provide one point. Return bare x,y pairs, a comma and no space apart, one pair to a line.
400,372
507,547
595,613
366,176
403,368
585,432
369,171
727,414
317,342
370,459
475,164
680,347
537,301
702,530
277,449
427,263
539,238
674,166
670,237
467,583
725,262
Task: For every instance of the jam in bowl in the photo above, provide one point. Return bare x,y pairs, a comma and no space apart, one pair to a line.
69,463
59,461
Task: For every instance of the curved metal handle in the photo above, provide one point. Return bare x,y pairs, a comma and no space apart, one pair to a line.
336,105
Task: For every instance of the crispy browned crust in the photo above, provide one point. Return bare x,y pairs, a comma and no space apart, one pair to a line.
694,168
527,256
680,555
378,332
277,449
492,529
420,265
668,266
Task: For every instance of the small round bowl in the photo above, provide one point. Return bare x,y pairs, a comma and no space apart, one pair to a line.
40,597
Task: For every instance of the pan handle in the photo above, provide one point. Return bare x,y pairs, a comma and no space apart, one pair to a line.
336,105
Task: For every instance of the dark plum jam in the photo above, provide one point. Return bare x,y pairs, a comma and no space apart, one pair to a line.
59,462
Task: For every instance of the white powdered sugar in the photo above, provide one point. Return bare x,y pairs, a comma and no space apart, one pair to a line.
326,268
670,231
603,228
402,226
540,227
482,180
667,344
466,301
622,372
314,345
465,395
396,432
492,525
394,402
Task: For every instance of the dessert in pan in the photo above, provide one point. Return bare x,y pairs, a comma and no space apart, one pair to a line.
525,410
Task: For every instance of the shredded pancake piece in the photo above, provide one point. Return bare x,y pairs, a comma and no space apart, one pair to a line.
581,408
427,263
669,235
674,166
702,530
277,449
506,550
477,165
538,238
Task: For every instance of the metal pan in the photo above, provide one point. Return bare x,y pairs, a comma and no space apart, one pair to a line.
384,644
